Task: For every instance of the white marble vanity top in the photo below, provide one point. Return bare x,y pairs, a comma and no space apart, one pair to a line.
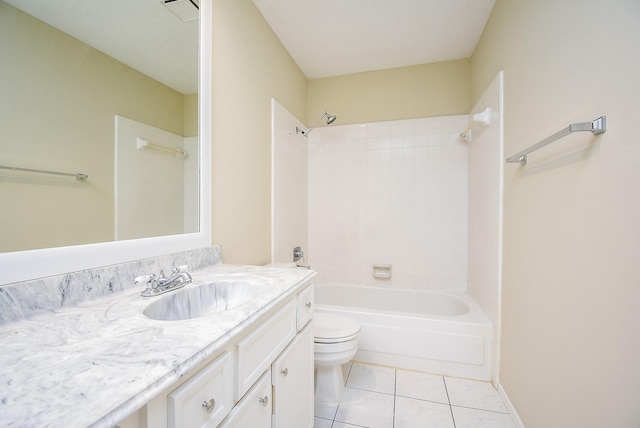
95,363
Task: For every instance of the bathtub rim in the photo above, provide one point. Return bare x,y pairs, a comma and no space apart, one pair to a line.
475,315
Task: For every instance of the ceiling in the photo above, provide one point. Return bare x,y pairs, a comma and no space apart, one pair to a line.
325,38
336,37
143,34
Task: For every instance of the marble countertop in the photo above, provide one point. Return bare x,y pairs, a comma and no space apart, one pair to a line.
95,363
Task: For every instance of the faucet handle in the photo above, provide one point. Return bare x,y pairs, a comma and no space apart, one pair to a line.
182,268
143,279
146,279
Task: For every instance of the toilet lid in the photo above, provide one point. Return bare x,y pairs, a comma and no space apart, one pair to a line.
331,327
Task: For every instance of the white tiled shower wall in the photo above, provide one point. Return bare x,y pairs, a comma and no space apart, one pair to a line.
289,185
151,197
390,193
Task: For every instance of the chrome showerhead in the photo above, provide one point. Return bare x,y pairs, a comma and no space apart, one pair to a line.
330,120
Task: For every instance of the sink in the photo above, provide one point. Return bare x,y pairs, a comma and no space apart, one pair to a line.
196,302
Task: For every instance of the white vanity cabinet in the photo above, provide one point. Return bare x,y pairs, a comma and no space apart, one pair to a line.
263,379
254,410
291,373
283,396
305,305
292,379
257,350
205,399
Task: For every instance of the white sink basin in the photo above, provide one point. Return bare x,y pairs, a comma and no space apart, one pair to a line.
203,300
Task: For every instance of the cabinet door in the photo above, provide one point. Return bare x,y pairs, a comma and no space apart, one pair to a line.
292,378
254,410
205,399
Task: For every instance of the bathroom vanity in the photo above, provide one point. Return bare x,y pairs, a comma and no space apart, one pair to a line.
262,379
104,363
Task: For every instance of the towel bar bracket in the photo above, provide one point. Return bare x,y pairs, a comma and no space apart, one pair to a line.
596,127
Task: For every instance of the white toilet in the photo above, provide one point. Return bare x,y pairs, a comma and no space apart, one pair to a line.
335,343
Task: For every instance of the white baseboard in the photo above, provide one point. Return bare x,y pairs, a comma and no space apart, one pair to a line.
512,410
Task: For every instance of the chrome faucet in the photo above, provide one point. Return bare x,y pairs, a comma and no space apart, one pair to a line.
179,273
179,278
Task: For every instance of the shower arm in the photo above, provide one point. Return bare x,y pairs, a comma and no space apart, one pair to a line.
305,133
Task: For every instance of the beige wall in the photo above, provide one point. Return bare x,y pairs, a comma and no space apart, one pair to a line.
428,90
570,341
190,115
250,67
57,112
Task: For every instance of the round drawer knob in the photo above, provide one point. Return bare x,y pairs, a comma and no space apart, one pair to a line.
284,372
308,305
264,401
209,405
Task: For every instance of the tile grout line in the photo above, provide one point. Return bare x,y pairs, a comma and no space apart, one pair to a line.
449,400
395,390
345,387
375,392
480,409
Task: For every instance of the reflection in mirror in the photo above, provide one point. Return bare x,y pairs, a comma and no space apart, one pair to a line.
69,71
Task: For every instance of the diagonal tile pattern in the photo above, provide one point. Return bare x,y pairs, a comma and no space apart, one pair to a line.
383,397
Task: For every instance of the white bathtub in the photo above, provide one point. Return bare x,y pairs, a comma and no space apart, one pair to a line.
434,332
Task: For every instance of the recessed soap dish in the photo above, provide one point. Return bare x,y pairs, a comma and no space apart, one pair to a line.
382,271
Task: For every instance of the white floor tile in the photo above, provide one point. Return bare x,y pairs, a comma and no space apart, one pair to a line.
343,425
379,397
346,369
366,408
324,410
372,378
322,423
473,418
474,394
412,413
422,386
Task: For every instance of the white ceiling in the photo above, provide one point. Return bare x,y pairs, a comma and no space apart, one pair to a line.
325,38
141,33
335,37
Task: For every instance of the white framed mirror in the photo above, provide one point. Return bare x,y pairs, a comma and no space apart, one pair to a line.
38,263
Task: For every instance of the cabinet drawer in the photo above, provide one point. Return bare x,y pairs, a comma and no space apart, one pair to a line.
254,410
255,352
306,305
205,399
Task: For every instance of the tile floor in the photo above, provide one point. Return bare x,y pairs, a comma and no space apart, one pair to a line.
383,397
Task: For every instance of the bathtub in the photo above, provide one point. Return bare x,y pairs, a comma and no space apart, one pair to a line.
427,331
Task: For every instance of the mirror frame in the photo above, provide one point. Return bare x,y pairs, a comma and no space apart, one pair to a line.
34,264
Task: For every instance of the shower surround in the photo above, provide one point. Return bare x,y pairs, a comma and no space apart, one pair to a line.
392,193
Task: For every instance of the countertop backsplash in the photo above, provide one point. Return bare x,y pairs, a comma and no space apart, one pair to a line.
26,299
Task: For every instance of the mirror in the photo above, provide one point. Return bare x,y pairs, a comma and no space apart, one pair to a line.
85,83
80,253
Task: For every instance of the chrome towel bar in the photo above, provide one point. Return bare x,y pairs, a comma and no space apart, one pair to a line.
596,127
77,175
142,144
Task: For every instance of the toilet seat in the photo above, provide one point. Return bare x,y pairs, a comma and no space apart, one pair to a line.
331,328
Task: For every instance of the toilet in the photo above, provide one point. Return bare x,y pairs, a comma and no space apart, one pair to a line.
335,343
